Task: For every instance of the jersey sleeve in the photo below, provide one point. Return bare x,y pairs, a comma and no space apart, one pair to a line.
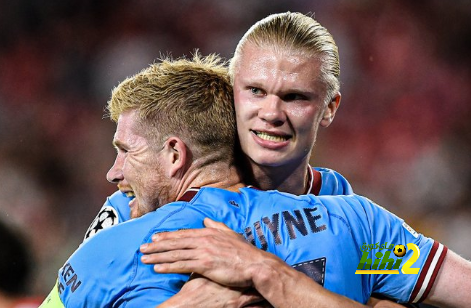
332,183
386,230
114,211
98,271
106,270
148,288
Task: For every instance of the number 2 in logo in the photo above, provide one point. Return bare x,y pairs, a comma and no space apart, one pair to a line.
406,268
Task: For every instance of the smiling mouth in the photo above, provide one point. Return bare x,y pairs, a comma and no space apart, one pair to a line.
269,137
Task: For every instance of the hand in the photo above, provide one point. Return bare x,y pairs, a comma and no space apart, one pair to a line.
223,256
215,252
202,292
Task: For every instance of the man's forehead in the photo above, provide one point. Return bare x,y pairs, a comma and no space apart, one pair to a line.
284,59
126,129
294,69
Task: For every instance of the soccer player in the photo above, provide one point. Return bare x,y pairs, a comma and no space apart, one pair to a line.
170,118
279,114
292,173
277,148
285,74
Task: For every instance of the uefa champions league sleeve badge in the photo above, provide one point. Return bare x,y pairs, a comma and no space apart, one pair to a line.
106,218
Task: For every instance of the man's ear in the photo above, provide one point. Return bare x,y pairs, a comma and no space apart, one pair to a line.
176,154
330,110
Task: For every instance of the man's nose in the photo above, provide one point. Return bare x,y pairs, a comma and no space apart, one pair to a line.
115,174
272,111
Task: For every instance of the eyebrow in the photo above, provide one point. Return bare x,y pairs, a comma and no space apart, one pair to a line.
117,144
255,83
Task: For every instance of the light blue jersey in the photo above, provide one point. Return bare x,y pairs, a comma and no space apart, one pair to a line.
114,211
322,181
327,182
320,236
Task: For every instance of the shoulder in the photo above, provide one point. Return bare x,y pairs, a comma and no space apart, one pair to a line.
87,275
120,203
116,245
330,182
221,205
329,173
115,210
354,204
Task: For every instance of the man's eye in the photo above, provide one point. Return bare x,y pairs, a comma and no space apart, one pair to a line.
256,91
294,97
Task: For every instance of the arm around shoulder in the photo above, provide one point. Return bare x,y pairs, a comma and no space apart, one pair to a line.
283,286
452,287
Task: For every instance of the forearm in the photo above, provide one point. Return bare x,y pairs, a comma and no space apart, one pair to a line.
202,292
221,255
283,286
453,283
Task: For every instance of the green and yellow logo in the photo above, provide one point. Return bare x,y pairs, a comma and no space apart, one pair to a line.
385,263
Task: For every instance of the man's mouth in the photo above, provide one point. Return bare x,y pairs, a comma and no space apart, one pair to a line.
271,137
130,194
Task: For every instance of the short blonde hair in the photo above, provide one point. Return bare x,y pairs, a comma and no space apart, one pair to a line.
191,99
295,32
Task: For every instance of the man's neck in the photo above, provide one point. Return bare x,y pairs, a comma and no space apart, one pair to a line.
220,174
292,180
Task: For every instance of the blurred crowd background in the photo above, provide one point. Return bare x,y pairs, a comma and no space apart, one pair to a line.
402,135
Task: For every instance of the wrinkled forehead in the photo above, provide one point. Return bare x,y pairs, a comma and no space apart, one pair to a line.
127,120
279,47
267,64
291,60
128,125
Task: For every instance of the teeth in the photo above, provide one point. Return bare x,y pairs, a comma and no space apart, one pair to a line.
130,194
268,137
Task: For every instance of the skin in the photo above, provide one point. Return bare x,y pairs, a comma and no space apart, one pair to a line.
267,88
137,163
133,164
278,96
216,260
264,268
280,105
451,288
134,158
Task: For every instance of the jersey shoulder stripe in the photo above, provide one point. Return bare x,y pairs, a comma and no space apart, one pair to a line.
429,273
316,182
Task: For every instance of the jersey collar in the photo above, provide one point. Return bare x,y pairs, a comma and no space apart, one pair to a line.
315,181
314,186
189,194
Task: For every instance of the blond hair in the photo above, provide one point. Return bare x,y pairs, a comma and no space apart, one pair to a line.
295,32
191,99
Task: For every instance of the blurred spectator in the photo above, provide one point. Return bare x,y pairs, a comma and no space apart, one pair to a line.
16,267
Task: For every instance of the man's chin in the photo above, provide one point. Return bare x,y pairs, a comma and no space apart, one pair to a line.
269,162
137,210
